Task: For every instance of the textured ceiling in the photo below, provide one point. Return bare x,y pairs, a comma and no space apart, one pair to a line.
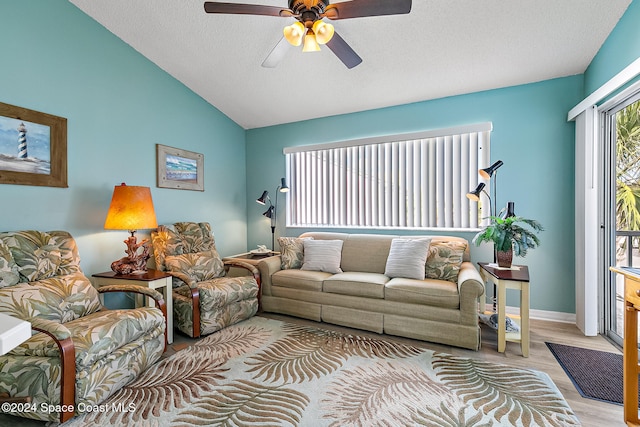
442,48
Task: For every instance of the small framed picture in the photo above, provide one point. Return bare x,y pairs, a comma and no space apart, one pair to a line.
179,169
33,147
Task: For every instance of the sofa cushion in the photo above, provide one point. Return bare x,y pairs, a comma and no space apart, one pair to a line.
300,279
365,253
369,285
444,260
439,293
322,255
407,258
291,252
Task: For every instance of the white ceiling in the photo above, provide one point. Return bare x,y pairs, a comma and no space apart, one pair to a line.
442,48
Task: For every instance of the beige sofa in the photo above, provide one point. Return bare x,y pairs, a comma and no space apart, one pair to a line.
363,297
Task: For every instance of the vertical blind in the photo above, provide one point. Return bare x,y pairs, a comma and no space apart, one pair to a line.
404,181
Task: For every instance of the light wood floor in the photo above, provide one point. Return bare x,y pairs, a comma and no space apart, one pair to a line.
591,413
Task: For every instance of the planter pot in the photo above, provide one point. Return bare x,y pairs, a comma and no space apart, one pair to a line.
504,258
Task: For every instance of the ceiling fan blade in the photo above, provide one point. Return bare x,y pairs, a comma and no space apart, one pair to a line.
245,9
343,51
277,53
362,8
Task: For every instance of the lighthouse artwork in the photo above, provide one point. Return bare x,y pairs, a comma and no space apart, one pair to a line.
33,147
24,146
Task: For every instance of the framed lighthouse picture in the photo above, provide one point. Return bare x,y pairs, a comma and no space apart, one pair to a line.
33,147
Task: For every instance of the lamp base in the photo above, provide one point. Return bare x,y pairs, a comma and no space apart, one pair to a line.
135,262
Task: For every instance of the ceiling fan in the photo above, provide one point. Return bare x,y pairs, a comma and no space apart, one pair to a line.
309,26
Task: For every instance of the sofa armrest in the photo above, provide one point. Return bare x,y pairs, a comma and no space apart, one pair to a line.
470,288
267,267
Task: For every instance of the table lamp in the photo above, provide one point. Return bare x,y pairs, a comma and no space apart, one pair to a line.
131,209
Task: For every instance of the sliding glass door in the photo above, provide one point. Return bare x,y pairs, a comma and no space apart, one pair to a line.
621,206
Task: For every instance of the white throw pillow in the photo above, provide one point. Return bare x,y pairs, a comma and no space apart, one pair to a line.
407,258
322,255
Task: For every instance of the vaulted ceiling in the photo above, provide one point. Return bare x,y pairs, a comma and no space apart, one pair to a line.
441,48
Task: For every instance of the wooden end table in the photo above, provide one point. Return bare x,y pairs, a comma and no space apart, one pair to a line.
154,279
504,279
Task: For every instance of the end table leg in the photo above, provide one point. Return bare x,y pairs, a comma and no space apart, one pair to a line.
524,318
502,321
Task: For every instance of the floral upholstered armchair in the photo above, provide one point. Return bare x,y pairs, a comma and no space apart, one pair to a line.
205,300
79,352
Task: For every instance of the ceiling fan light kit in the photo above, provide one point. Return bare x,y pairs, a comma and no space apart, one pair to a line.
309,26
310,43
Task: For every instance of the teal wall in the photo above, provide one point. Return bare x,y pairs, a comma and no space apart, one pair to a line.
531,136
621,48
57,60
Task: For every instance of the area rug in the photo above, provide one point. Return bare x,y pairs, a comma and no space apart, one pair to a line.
264,372
595,374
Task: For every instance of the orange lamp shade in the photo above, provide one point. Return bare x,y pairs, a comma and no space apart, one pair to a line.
131,209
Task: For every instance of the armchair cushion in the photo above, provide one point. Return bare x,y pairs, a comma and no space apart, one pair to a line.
196,267
61,299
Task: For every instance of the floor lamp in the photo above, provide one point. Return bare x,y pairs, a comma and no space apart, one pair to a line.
488,173
272,212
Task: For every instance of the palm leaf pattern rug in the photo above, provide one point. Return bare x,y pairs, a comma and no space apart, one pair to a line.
265,372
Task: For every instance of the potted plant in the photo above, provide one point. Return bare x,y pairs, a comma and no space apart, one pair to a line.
509,237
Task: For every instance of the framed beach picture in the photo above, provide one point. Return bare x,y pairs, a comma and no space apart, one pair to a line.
179,169
33,147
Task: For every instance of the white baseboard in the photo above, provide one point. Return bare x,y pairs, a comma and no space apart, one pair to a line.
554,316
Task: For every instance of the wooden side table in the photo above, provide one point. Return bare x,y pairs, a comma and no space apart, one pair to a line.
630,367
154,279
252,257
510,279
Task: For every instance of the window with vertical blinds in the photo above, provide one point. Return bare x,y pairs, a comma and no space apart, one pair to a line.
415,180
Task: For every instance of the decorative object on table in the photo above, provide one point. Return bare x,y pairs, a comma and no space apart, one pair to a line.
131,209
179,169
272,211
262,249
39,156
491,320
509,238
320,377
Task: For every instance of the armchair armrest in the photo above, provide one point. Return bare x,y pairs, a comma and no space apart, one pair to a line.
157,296
240,264
62,337
470,288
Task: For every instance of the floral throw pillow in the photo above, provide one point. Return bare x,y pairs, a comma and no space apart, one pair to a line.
444,260
291,252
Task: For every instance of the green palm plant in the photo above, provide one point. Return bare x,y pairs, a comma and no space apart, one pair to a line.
628,167
507,234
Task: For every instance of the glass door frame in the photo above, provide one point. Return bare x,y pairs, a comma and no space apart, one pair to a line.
608,148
